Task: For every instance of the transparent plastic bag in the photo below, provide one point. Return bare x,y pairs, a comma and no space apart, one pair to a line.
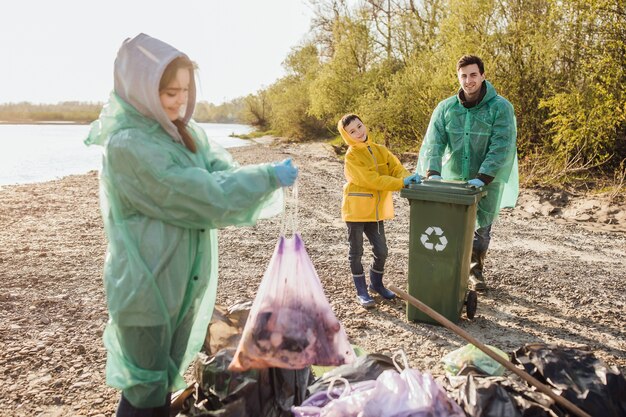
409,393
348,401
393,394
470,355
291,324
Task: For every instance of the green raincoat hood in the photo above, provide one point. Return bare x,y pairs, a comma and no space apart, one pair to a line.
138,69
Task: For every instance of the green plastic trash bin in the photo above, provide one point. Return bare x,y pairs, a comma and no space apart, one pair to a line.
442,219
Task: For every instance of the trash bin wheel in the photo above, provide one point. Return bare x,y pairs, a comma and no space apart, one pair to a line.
471,303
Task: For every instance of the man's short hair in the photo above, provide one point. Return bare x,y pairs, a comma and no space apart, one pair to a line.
469,60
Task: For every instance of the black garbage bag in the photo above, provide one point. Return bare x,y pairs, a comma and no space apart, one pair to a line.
364,368
496,396
578,375
267,392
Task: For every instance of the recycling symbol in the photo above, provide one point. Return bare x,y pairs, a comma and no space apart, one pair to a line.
426,239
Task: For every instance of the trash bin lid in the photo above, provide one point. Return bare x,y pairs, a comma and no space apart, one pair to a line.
456,192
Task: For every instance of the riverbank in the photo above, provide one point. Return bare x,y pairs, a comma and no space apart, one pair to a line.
555,276
43,122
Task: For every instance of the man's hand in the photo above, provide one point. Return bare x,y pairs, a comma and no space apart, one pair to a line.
476,183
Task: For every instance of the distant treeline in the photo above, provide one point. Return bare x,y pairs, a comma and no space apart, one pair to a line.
83,112
561,63
67,111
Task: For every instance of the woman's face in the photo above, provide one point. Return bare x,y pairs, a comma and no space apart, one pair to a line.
174,95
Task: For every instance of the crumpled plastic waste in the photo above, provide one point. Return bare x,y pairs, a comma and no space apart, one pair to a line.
253,393
349,400
497,396
291,324
470,355
578,375
393,394
226,326
364,368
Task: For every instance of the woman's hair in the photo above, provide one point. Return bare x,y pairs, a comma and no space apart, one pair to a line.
168,76
348,118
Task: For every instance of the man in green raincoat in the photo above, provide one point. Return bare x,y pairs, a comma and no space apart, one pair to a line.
165,188
472,137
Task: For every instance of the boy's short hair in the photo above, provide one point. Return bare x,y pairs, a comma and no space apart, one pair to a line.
348,118
469,60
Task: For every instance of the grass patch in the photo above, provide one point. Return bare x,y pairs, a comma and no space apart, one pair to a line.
255,134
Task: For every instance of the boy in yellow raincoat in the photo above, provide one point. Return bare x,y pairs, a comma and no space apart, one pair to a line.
372,173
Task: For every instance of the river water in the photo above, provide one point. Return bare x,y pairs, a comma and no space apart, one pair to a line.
43,152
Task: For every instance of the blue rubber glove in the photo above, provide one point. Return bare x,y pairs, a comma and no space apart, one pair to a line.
285,172
412,179
476,183
435,177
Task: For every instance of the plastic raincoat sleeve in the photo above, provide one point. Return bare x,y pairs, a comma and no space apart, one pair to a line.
502,144
357,172
154,184
435,143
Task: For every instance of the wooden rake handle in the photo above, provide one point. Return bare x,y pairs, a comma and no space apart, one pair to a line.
507,364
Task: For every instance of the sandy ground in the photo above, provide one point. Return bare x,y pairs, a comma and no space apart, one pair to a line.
556,269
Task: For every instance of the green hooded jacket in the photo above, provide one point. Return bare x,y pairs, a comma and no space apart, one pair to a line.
462,143
161,205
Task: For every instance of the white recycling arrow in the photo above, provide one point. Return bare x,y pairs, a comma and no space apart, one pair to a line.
425,239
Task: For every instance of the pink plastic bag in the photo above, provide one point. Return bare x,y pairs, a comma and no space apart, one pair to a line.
291,324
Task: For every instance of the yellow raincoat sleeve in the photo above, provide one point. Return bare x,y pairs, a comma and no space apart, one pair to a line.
157,185
386,177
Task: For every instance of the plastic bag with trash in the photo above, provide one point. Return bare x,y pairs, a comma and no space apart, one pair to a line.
578,375
497,396
405,393
291,324
470,355
253,393
364,368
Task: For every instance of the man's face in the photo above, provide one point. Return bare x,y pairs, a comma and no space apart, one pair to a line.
471,80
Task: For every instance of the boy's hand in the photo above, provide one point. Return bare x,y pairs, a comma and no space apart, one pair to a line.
435,177
414,179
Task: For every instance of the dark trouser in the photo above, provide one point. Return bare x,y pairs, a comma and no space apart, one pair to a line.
151,348
126,409
375,232
482,237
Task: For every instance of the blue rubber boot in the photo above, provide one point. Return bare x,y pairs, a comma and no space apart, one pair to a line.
376,284
361,292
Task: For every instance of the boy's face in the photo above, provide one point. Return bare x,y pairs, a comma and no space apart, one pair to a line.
357,130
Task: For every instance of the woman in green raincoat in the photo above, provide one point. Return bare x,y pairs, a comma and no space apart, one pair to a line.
472,137
165,189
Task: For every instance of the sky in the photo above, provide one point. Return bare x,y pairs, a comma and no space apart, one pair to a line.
63,50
